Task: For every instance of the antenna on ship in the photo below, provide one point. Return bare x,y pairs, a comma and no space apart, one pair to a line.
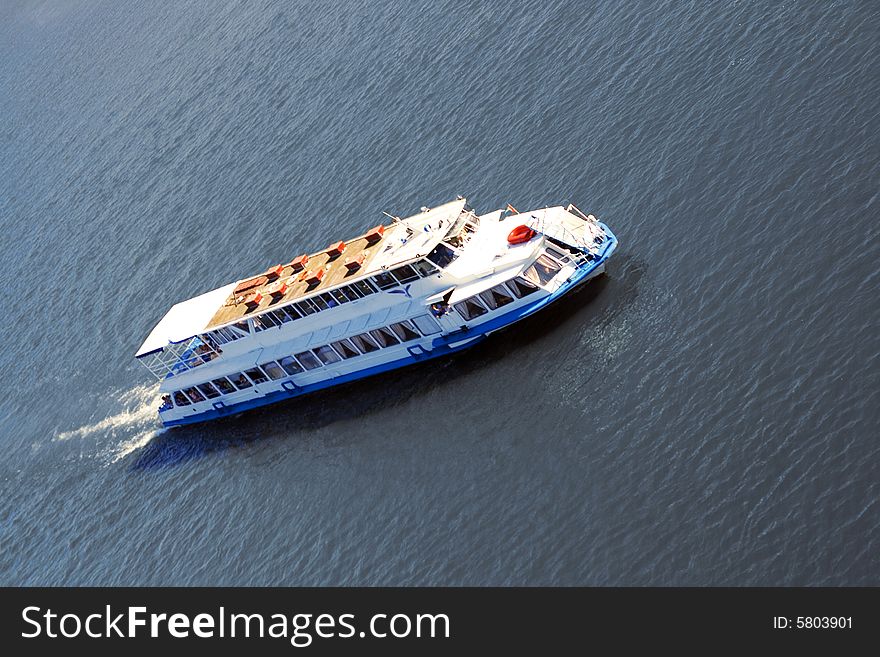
391,216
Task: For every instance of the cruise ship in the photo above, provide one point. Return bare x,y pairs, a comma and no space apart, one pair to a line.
407,290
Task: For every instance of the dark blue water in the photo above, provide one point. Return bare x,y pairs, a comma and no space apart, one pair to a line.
708,413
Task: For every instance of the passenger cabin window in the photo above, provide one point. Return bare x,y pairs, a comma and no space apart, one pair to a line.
365,288
256,375
306,307
405,331
470,308
240,381
243,327
180,398
339,296
273,369
521,287
496,297
308,360
384,280
264,321
345,349
279,315
384,337
222,384
426,324
351,292
194,395
543,271
290,312
208,390
405,274
290,365
365,343
442,256
327,355
424,268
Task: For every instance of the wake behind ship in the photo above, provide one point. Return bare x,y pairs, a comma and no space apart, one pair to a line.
421,287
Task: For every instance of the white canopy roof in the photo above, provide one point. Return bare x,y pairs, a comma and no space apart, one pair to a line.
185,319
426,230
480,284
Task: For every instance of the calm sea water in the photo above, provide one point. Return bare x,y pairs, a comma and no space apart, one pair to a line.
708,413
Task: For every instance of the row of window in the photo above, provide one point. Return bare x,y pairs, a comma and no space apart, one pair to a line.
364,343
495,297
352,292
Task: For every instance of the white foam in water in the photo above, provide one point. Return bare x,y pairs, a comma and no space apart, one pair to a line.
126,447
139,406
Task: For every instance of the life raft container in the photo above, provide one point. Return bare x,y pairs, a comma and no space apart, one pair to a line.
520,234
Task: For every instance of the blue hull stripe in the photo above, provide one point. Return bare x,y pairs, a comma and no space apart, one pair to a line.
443,346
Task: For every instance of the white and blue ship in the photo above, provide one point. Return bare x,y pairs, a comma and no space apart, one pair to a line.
418,288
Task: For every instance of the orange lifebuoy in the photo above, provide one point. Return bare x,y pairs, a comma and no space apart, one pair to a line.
520,234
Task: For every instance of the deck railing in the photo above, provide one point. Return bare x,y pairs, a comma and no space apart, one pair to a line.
180,357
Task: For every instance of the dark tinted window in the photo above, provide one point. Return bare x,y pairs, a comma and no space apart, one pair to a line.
306,307
470,308
424,268
194,395
327,355
384,337
543,271
223,385
345,349
339,295
273,370
521,287
441,256
290,365
290,311
180,399
208,390
365,343
384,280
364,287
496,297
405,274
240,381
308,360
351,292
264,321
405,331
256,375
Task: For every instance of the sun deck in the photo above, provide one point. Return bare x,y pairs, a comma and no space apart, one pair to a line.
340,263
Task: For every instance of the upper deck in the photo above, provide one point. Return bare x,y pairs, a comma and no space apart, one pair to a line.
341,263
